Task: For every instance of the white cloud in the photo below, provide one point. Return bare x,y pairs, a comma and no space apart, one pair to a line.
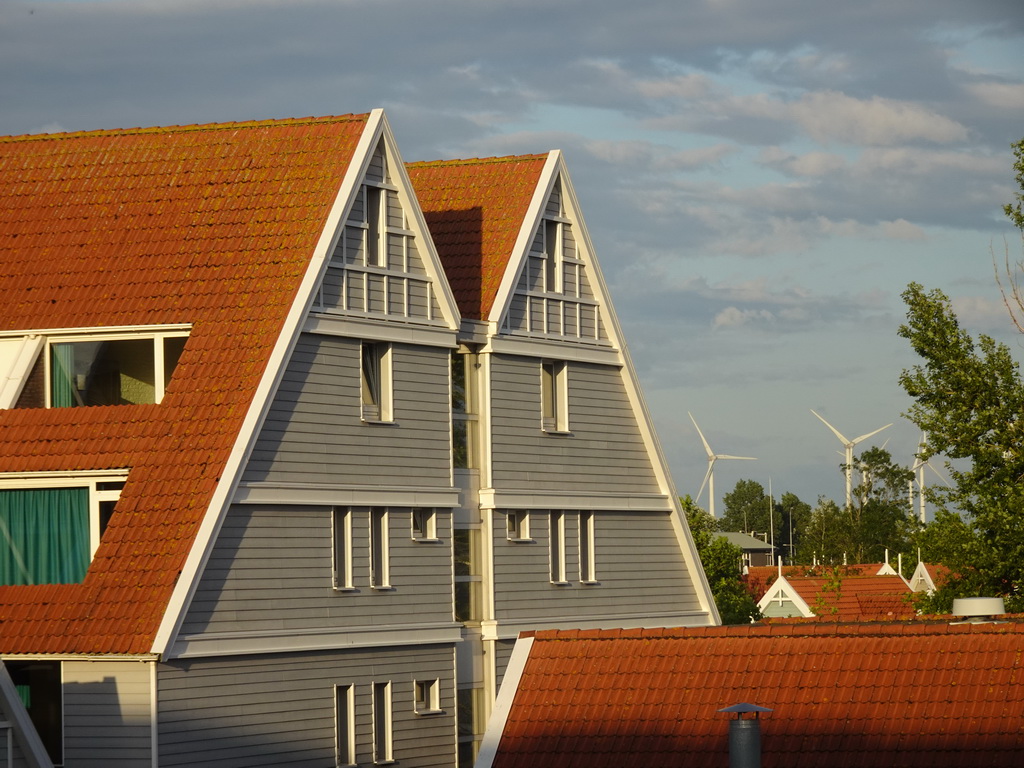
1009,96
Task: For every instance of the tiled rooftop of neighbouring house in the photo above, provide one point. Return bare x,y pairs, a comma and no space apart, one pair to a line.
213,226
475,210
842,695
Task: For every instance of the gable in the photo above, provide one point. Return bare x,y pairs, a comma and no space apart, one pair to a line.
383,266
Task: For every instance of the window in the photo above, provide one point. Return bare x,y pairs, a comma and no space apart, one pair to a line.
375,249
588,573
556,541
375,381
49,532
468,580
380,565
517,526
382,745
38,684
464,410
554,396
424,524
553,256
342,529
89,368
471,724
345,724
427,697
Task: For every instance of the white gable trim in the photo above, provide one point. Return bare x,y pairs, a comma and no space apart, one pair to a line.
202,545
781,589
503,704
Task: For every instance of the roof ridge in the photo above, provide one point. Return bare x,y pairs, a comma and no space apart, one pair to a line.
188,128
476,160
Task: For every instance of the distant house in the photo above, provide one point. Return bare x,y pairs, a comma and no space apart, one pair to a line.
755,551
839,594
928,577
841,695
281,477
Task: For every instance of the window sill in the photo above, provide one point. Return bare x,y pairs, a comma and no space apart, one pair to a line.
345,589
380,422
556,432
426,540
429,712
561,583
384,588
521,541
590,582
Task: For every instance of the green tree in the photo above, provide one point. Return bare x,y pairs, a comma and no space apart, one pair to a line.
969,399
1013,210
880,518
794,518
721,561
747,509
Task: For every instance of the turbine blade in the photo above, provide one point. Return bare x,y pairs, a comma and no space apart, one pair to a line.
702,439
938,474
726,456
707,474
869,434
835,431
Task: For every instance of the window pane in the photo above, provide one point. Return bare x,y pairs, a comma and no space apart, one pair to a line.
44,535
102,373
38,686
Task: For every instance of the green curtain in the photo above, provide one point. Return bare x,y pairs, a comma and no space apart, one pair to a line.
62,370
44,535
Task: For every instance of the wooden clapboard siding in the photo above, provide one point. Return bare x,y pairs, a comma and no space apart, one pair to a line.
314,432
638,564
605,451
272,569
279,710
107,716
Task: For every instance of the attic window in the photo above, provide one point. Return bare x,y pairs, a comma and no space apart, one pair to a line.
50,528
68,369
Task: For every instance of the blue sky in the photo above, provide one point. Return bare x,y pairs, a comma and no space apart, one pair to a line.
761,179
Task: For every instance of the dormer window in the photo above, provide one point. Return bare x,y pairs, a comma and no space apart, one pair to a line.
51,525
74,368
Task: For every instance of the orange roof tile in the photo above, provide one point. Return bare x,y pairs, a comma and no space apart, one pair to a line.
211,225
855,598
842,695
475,210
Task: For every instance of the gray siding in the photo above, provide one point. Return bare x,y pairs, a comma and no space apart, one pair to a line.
314,432
107,717
502,654
639,568
604,453
243,712
272,568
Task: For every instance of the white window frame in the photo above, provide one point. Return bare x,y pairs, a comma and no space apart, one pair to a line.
588,559
383,736
425,529
380,556
382,411
341,533
90,480
375,242
32,344
554,385
517,525
345,725
556,547
427,697
553,256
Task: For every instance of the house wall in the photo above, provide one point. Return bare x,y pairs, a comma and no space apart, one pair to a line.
244,712
314,432
604,453
272,569
107,714
639,569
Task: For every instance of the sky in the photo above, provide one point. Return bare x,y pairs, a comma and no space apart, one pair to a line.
761,179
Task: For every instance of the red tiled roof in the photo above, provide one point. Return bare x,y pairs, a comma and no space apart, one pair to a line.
842,695
855,598
475,210
210,225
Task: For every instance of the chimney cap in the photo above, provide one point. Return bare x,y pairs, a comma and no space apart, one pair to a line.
744,707
978,606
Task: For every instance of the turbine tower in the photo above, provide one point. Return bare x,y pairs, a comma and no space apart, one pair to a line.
848,444
918,470
709,476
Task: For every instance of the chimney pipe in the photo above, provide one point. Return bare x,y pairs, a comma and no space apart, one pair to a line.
745,735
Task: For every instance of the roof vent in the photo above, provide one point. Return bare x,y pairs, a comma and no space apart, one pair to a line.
978,609
745,735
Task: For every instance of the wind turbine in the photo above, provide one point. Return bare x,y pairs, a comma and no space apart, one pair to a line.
848,444
709,476
918,470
